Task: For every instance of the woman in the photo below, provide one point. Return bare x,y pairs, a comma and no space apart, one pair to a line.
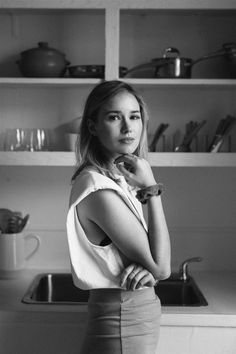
113,253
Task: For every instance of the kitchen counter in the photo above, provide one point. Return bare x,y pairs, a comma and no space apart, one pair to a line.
219,289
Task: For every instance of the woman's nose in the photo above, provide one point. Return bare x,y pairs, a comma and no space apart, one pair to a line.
126,128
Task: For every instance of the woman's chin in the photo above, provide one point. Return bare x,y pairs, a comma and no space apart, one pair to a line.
127,150
122,151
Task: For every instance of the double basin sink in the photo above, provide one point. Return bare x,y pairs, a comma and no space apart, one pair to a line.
58,288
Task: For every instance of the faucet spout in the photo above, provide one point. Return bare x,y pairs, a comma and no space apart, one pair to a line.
183,270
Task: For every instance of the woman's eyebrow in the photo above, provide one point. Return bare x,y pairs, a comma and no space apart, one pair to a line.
114,111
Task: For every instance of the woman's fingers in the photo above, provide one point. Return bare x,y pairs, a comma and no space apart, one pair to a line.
147,280
128,270
135,276
127,174
139,280
128,158
126,165
144,278
136,271
137,171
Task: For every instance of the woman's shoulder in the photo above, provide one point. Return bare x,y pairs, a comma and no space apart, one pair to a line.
90,176
90,180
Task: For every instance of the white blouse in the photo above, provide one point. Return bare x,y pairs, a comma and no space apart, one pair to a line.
95,266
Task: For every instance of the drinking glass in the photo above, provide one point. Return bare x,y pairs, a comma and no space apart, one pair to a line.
36,140
26,139
13,140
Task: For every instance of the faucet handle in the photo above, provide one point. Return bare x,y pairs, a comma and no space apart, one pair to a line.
193,259
183,270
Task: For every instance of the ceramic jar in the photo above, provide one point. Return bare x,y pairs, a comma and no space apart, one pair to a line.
42,61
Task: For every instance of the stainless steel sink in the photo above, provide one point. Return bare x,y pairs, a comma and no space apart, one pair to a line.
58,288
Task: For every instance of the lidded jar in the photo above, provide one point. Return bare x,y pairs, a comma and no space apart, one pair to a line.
42,61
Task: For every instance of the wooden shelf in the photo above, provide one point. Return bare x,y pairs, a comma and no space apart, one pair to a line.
182,82
54,82
40,158
163,159
148,4
198,159
70,82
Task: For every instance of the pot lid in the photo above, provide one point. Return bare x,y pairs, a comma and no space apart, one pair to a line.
171,54
42,47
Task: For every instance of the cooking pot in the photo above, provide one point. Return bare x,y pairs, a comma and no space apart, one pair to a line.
42,61
170,65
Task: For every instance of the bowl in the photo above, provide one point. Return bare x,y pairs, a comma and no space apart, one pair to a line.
91,71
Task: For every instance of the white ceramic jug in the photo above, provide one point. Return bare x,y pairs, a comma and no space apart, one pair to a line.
12,253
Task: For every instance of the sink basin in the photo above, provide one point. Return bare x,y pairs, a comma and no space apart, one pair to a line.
58,288
176,292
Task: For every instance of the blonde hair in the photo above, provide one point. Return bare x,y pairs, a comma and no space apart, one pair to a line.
89,151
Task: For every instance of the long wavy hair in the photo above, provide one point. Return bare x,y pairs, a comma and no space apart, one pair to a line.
89,151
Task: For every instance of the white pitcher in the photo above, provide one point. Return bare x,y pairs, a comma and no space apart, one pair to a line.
12,253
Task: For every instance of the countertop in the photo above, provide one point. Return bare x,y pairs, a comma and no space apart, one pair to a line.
219,289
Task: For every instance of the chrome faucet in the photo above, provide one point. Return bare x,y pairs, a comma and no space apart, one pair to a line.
183,269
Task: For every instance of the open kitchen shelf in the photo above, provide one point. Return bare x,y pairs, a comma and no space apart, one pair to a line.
162,159
115,33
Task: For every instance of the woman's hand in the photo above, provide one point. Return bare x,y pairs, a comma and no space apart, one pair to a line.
135,276
136,170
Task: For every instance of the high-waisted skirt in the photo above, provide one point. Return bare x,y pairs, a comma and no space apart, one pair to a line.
122,322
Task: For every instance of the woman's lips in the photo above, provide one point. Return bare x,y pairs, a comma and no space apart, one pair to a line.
127,140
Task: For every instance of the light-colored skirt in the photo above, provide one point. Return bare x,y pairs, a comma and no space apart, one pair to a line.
122,322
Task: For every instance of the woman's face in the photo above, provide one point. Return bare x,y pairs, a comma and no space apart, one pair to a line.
119,125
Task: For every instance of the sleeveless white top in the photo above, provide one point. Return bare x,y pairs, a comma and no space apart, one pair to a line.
95,266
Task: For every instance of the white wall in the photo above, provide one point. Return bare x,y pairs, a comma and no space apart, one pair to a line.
200,209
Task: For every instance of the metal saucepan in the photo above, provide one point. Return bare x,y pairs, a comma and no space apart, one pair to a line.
172,65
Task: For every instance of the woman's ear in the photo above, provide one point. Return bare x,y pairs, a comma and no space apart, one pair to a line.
91,127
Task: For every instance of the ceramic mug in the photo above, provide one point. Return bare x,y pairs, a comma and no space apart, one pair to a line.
12,252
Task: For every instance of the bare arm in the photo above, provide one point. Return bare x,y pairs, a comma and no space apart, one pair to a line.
140,175
107,210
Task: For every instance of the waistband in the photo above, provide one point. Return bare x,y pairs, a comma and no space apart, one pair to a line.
114,295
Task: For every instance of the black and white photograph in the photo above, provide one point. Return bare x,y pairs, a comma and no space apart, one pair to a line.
117,177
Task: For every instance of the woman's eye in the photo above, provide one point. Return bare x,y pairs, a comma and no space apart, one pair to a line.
135,116
114,117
